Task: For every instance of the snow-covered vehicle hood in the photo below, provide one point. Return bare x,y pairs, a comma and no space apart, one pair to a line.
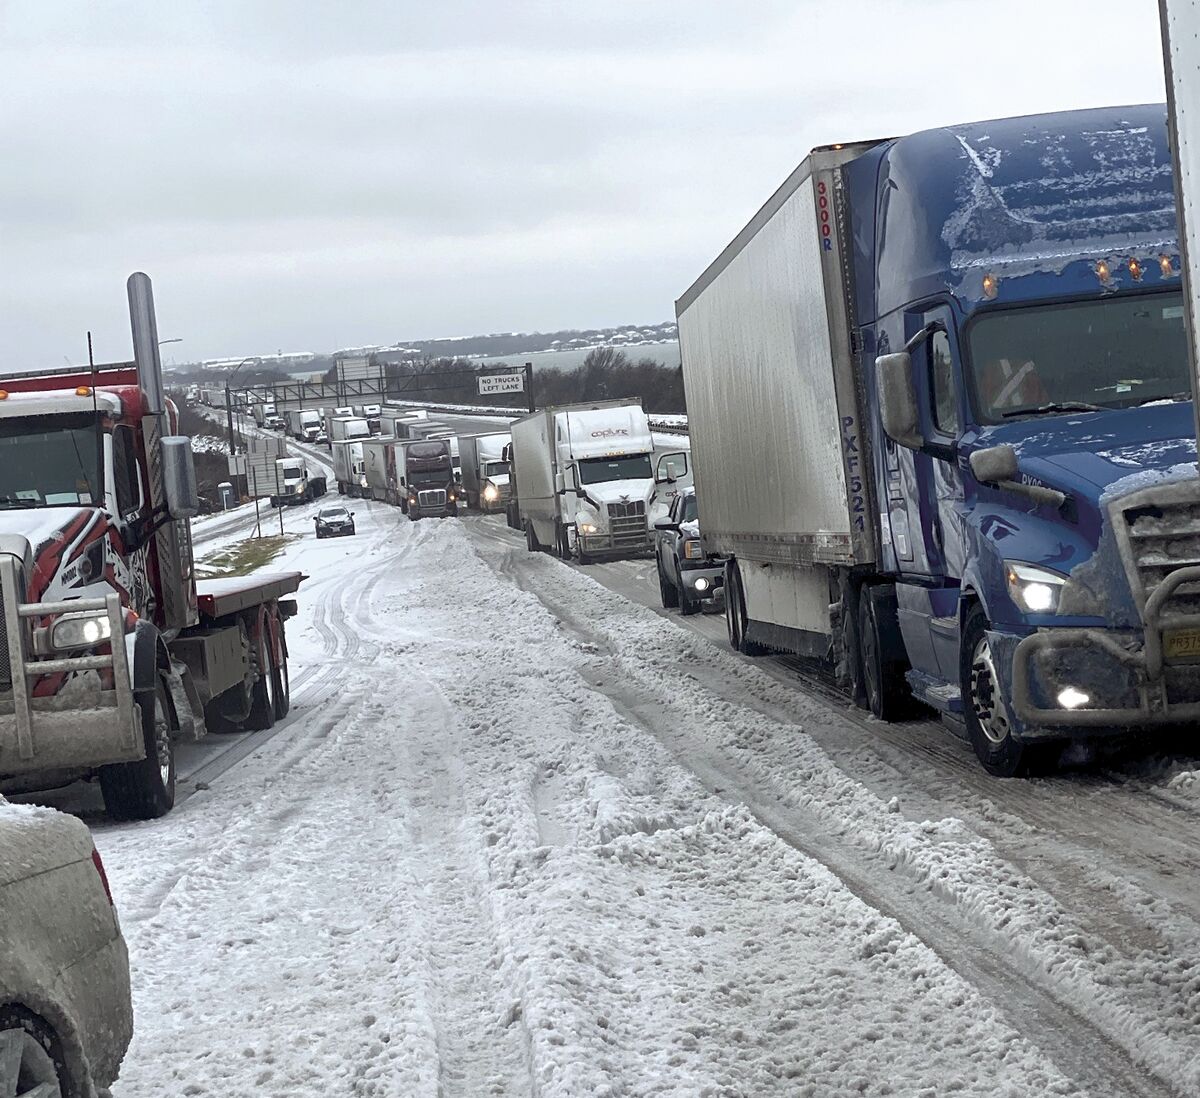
498,479
1083,454
619,491
690,529
38,525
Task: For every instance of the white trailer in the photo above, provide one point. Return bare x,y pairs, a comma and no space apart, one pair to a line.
584,479
349,470
341,428
484,471
379,464
774,440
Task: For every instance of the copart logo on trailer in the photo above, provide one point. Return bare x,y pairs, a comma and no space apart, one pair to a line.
611,432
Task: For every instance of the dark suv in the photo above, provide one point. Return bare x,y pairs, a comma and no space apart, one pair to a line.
686,577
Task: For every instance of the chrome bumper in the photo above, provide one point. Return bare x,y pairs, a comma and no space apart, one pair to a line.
84,724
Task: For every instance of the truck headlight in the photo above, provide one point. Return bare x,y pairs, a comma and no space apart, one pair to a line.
692,549
491,493
587,528
80,630
1032,588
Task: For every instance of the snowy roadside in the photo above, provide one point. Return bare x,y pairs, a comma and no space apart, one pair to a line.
468,871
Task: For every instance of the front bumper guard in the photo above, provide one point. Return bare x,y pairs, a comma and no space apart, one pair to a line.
1147,664
84,726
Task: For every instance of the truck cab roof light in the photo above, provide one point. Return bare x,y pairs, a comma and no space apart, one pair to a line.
991,285
1135,269
83,391
3,394
1166,266
1103,271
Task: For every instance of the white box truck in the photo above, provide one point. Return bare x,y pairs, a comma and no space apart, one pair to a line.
484,471
585,480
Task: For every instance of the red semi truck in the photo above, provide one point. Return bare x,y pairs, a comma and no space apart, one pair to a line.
96,494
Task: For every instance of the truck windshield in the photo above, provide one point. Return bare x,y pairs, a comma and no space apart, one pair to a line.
495,468
598,470
1119,352
293,472
49,461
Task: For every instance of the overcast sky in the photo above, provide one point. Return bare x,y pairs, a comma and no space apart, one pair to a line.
303,176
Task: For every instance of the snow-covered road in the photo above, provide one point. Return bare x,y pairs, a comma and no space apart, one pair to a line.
525,835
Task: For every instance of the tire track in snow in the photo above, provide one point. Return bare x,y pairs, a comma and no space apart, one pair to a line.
1084,1047
483,1047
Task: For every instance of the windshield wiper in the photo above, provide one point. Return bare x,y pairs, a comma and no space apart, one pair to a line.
1053,408
18,501
1172,398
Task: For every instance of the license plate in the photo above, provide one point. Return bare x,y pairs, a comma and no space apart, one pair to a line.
1182,644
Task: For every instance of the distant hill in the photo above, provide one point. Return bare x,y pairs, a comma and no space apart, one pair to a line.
516,343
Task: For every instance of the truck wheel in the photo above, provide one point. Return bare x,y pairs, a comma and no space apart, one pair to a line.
667,591
282,681
735,614
988,726
687,604
262,693
145,790
886,689
531,540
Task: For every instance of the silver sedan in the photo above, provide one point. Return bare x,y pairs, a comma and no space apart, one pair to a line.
65,1011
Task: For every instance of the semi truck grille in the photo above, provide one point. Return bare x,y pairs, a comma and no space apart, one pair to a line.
1163,530
433,498
626,510
628,532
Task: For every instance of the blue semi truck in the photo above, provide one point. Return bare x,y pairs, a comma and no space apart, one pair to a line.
940,407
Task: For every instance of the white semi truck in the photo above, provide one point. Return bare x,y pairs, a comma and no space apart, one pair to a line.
304,424
585,480
484,471
296,483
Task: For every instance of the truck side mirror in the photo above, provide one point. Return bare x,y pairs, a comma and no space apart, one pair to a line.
560,484
898,400
995,464
179,476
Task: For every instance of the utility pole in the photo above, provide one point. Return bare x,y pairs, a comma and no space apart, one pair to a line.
529,386
229,419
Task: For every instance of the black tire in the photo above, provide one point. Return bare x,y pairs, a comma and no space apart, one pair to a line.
319,535
988,724
274,502
687,604
531,540
562,547
667,591
42,1061
262,693
352,531
145,790
736,616
282,680
884,685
